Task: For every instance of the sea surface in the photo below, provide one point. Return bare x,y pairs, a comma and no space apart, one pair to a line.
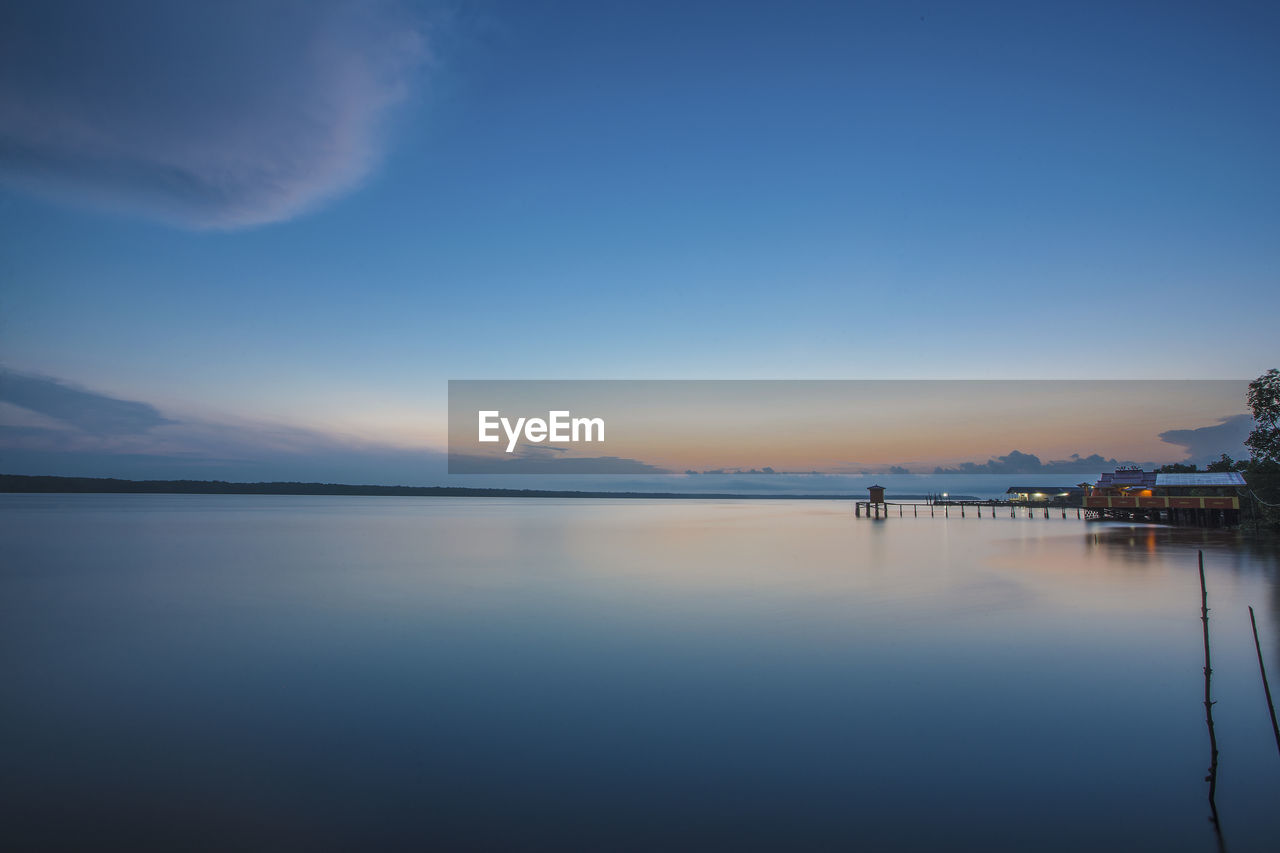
269,672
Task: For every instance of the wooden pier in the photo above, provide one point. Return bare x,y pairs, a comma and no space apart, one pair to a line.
964,509
1174,516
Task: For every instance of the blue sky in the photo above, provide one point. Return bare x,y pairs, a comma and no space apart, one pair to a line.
309,216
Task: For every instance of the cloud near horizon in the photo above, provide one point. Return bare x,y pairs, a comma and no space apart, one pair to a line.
221,115
1017,462
1207,444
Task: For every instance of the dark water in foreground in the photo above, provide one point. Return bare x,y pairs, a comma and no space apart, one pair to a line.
189,672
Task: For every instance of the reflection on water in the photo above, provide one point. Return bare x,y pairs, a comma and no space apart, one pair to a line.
1237,552
363,672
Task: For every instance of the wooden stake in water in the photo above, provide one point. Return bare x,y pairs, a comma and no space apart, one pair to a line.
1266,688
1212,778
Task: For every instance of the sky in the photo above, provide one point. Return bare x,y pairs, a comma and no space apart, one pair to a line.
273,231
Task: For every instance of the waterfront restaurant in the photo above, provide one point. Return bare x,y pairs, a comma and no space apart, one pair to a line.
1205,498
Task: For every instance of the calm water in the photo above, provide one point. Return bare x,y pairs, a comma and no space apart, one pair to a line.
354,673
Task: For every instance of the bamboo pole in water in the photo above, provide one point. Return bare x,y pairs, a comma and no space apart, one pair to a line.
1266,688
1212,778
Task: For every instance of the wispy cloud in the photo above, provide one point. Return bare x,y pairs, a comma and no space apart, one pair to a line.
89,411
49,426
209,115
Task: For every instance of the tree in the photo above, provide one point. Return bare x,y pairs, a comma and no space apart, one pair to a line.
1264,399
1263,471
1226,463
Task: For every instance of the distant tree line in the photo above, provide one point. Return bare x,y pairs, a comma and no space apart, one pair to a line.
1226,463
110,485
